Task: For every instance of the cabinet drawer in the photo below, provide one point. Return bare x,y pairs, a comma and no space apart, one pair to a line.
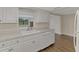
28,46
28,38
31,37
8,49
8,43
25,47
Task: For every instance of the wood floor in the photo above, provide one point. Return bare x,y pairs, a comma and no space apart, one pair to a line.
63,44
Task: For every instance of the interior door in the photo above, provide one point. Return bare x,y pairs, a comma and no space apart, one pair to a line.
77,43
77,22
75,29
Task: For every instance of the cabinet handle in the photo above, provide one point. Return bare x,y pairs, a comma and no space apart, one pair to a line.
10,50
17,41
3,44
33,41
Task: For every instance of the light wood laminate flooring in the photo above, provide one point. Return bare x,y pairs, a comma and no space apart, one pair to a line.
63,44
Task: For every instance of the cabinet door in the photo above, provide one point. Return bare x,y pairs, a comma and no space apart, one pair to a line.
10,15
42,16
9,48
8,43
16,48
24,47
1,13
44,40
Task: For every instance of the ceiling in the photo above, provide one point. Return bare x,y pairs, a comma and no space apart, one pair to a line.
58,10
61,10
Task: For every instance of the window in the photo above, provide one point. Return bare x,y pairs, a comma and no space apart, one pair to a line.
25,21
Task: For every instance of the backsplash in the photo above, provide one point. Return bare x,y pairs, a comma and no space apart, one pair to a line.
8,28
41,25
13,27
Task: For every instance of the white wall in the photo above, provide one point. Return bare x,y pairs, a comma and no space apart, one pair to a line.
67,25
55,23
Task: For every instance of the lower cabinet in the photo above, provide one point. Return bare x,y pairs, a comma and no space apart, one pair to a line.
31,43
9,49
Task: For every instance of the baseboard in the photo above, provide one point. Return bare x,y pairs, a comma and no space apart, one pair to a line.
63,36
67,36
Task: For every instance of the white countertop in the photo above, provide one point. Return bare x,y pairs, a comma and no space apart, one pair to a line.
7,36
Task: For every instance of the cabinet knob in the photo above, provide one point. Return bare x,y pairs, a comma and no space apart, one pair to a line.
0,20
17,41
33,41
10,50
3,44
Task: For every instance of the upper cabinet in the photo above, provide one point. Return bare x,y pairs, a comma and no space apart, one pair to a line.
38,15
1,13
42,16
9,15
12,14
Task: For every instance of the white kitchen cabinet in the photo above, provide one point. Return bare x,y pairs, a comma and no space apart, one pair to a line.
36,44
1,13
8,43
9,49
39,15
29,43
9,14
27,46
42,16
